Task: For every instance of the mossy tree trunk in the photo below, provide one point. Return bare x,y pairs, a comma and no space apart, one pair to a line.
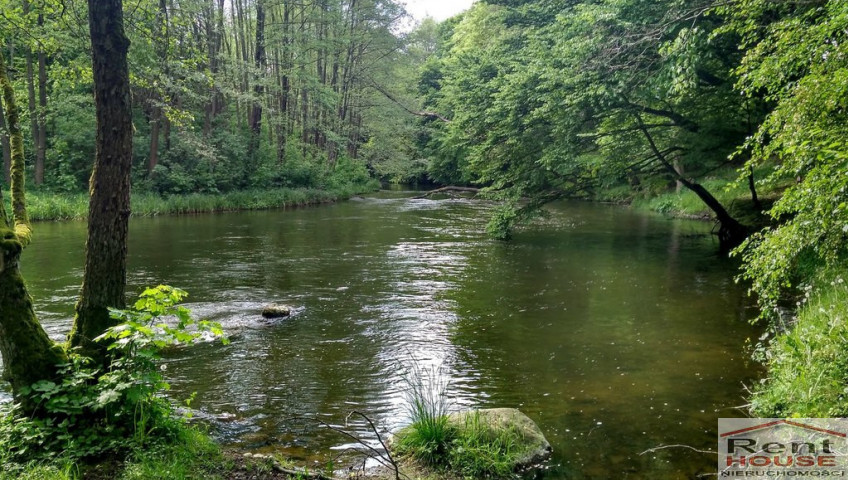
105,274
28,353
4,144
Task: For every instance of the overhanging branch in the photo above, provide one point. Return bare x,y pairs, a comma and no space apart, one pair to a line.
424,114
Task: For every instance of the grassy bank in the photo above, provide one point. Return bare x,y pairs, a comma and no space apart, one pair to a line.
807,363
191,455
54,206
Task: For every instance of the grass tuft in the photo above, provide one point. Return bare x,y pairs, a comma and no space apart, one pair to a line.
190,456
462,444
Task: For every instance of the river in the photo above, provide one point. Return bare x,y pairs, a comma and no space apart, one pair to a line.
616,331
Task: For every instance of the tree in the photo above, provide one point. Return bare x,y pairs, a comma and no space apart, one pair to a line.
5,146
104,279
28,354
796,59
554,99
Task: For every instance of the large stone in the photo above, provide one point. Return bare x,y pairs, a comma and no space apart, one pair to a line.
534,447
276,311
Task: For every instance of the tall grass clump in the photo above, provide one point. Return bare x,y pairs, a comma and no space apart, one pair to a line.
461,443
57,206
807,363
482,451
428,437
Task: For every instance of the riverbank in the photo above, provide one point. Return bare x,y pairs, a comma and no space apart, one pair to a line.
194,455
806,358
48,206
805,354
733,195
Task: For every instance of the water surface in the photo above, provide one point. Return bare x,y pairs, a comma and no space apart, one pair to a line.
616,331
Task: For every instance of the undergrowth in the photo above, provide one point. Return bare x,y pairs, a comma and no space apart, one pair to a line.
89,414
807,364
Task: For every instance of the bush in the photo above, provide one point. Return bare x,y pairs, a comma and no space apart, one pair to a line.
90,412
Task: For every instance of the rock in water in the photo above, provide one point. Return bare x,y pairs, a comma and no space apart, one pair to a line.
533,447
276,311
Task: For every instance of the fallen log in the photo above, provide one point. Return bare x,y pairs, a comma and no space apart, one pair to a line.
449,190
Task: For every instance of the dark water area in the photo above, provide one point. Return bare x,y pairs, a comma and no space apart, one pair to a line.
616,331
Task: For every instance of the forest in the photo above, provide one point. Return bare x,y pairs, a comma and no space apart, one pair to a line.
728,112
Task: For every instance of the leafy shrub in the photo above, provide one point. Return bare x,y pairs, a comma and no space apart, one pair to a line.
89,411
347,172
502,221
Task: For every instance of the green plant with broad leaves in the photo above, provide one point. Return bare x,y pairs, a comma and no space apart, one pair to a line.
93,410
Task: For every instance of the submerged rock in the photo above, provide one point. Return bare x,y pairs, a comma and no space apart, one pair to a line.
276,310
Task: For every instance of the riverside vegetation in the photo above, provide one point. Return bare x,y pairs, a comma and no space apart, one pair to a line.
469,447
94,413
259,103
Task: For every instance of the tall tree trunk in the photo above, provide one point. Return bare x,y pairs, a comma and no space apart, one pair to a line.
41,140
258,88
678,167
30,83
104,279
161,39
214,33
5,145
28,354
255,111
752,186
32,109
155,123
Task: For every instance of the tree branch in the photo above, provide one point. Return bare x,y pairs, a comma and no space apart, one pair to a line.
678,119
407,109
663,447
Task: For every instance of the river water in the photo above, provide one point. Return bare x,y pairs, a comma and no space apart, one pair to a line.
616,331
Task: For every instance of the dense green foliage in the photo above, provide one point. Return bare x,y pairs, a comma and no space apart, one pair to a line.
227,94
619,99
796,59
89,412
808,368
555,99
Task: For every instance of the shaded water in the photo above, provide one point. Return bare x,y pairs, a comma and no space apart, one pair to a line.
616,331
